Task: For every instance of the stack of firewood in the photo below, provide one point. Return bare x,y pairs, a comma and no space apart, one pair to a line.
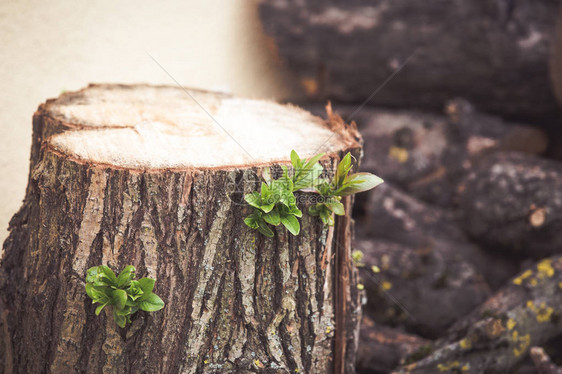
460,252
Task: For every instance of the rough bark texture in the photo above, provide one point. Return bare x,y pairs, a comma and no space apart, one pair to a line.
381,348
499,334
475,49
427,154
514,201
235,301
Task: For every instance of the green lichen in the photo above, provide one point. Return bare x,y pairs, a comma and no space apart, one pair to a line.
419,354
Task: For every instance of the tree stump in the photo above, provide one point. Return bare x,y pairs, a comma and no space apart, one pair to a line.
144,175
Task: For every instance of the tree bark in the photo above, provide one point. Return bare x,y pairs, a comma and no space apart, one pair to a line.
117,178
479,50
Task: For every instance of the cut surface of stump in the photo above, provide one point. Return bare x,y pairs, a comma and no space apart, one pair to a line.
147,176
151,128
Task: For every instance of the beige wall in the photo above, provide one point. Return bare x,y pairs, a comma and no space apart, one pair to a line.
51,46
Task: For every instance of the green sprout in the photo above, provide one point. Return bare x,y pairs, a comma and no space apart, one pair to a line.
342,184
123,293
275,203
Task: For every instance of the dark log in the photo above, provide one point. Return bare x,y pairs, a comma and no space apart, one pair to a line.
382,348
499,334
392,215
425,288
427,154
513,201
141,175
494,53
556,59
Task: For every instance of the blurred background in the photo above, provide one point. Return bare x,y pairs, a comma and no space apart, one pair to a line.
458,104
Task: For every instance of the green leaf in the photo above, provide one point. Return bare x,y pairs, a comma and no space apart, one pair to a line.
100,276
253,219
102,288
108,273
313,160
264,229
291,223
251,222
343,168
254,199
326,216
335,206
98,294
134,291
308,177
123,312
307,174
312,165
125,277
295,160
358,182
288,199
295,211
266,175
152,303
314,210
291,210
272,217
266,194
92,274
99,309
90,291
119,299
146,284
323,187
282,188
266,208
119,319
